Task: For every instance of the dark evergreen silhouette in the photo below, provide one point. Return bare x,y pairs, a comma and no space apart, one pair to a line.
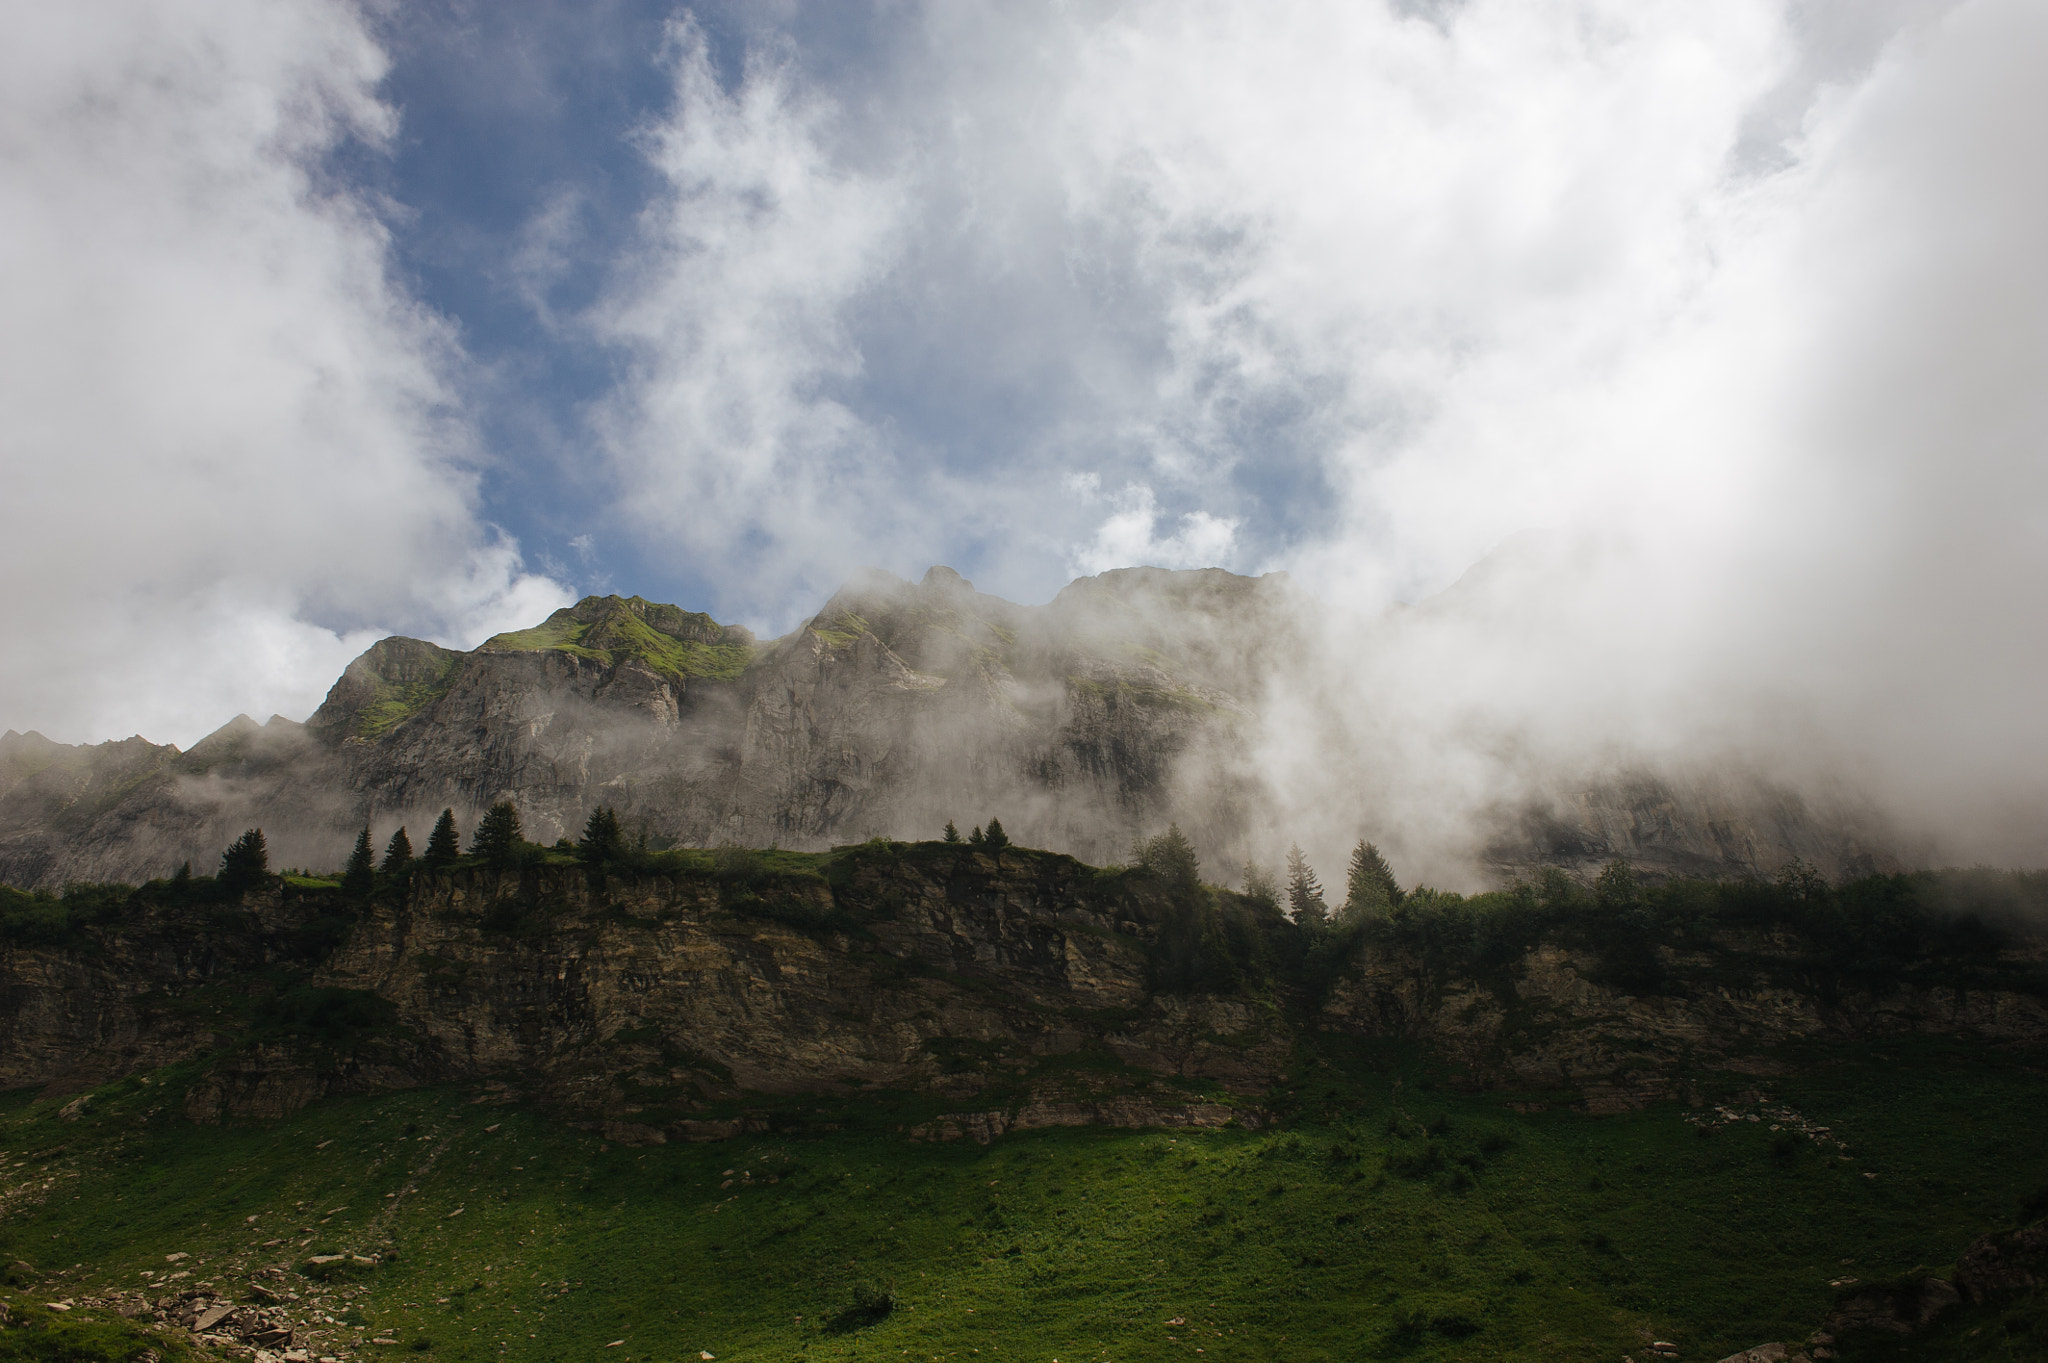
443,846
995,839
246,863
361,874
497,834
397,854
1304,891
975,837
1171,857
952,833
1370,889
1259,886
601,841
182,877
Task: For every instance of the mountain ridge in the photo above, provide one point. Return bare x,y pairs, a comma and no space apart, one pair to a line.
1131,700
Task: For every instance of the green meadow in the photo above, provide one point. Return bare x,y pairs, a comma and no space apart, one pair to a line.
1384,1214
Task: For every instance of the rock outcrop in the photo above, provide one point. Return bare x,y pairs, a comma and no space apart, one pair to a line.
1017,988
1131,700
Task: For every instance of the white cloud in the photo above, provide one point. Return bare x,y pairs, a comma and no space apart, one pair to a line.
1130,536
229,440
1737,305
729,435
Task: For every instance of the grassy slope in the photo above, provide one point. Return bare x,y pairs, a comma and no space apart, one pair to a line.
397,702
1338,1236
621,635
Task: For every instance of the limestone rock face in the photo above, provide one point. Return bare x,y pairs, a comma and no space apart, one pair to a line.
1553,1026
1121,705
1133,699
1023,988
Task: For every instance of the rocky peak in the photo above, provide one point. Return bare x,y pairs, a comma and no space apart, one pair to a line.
612,629
936,627
390,682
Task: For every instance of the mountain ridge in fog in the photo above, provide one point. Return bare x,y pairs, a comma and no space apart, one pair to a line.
1133,699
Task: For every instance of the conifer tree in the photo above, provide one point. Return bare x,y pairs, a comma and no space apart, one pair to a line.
1258,885
1370,888
1171,857
601,841
1304,891
497,834
246,863
995,839
397,854
952,833
362,867
975,836
443,846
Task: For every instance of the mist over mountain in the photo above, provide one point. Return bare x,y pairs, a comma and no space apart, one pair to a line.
1134,699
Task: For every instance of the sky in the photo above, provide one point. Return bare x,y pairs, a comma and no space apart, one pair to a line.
1699,346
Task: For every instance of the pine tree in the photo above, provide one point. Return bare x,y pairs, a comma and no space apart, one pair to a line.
397,854
246,863
952,833
1171,857
1304,891
1617,887
182,877
362,867
497,834
975,837
1370,888
601,841
995,839
443,846
1258,885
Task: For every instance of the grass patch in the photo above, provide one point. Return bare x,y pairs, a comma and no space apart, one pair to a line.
1390,1220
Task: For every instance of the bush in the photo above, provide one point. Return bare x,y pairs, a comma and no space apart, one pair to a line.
868,1304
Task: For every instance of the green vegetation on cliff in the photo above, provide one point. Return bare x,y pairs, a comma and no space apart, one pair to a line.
397,701
611,629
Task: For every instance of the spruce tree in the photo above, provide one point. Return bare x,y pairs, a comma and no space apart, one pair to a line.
181,879
1171,857
362,867
995,839
443,846
1259,886
245,864
975,836
1370,889
397,854
952,833
601,841
1304,891
497,834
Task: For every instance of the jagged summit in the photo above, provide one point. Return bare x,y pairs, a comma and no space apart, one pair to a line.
609,625
1131,700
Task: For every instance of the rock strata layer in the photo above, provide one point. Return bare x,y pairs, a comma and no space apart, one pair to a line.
1019,989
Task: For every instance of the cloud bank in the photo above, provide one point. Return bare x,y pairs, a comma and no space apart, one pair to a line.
1707,329
232,455
1697,345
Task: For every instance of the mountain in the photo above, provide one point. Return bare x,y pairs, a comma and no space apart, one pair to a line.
1132,699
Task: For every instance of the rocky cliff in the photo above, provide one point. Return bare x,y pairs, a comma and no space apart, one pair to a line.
1131,700
1017,986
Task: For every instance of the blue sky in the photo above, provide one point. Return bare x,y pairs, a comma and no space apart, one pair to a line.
525,114
1711,334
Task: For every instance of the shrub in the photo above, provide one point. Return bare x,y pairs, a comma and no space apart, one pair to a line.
868,1304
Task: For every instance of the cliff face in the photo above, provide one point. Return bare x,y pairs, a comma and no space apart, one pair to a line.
1131,700
1119,706
1016,988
